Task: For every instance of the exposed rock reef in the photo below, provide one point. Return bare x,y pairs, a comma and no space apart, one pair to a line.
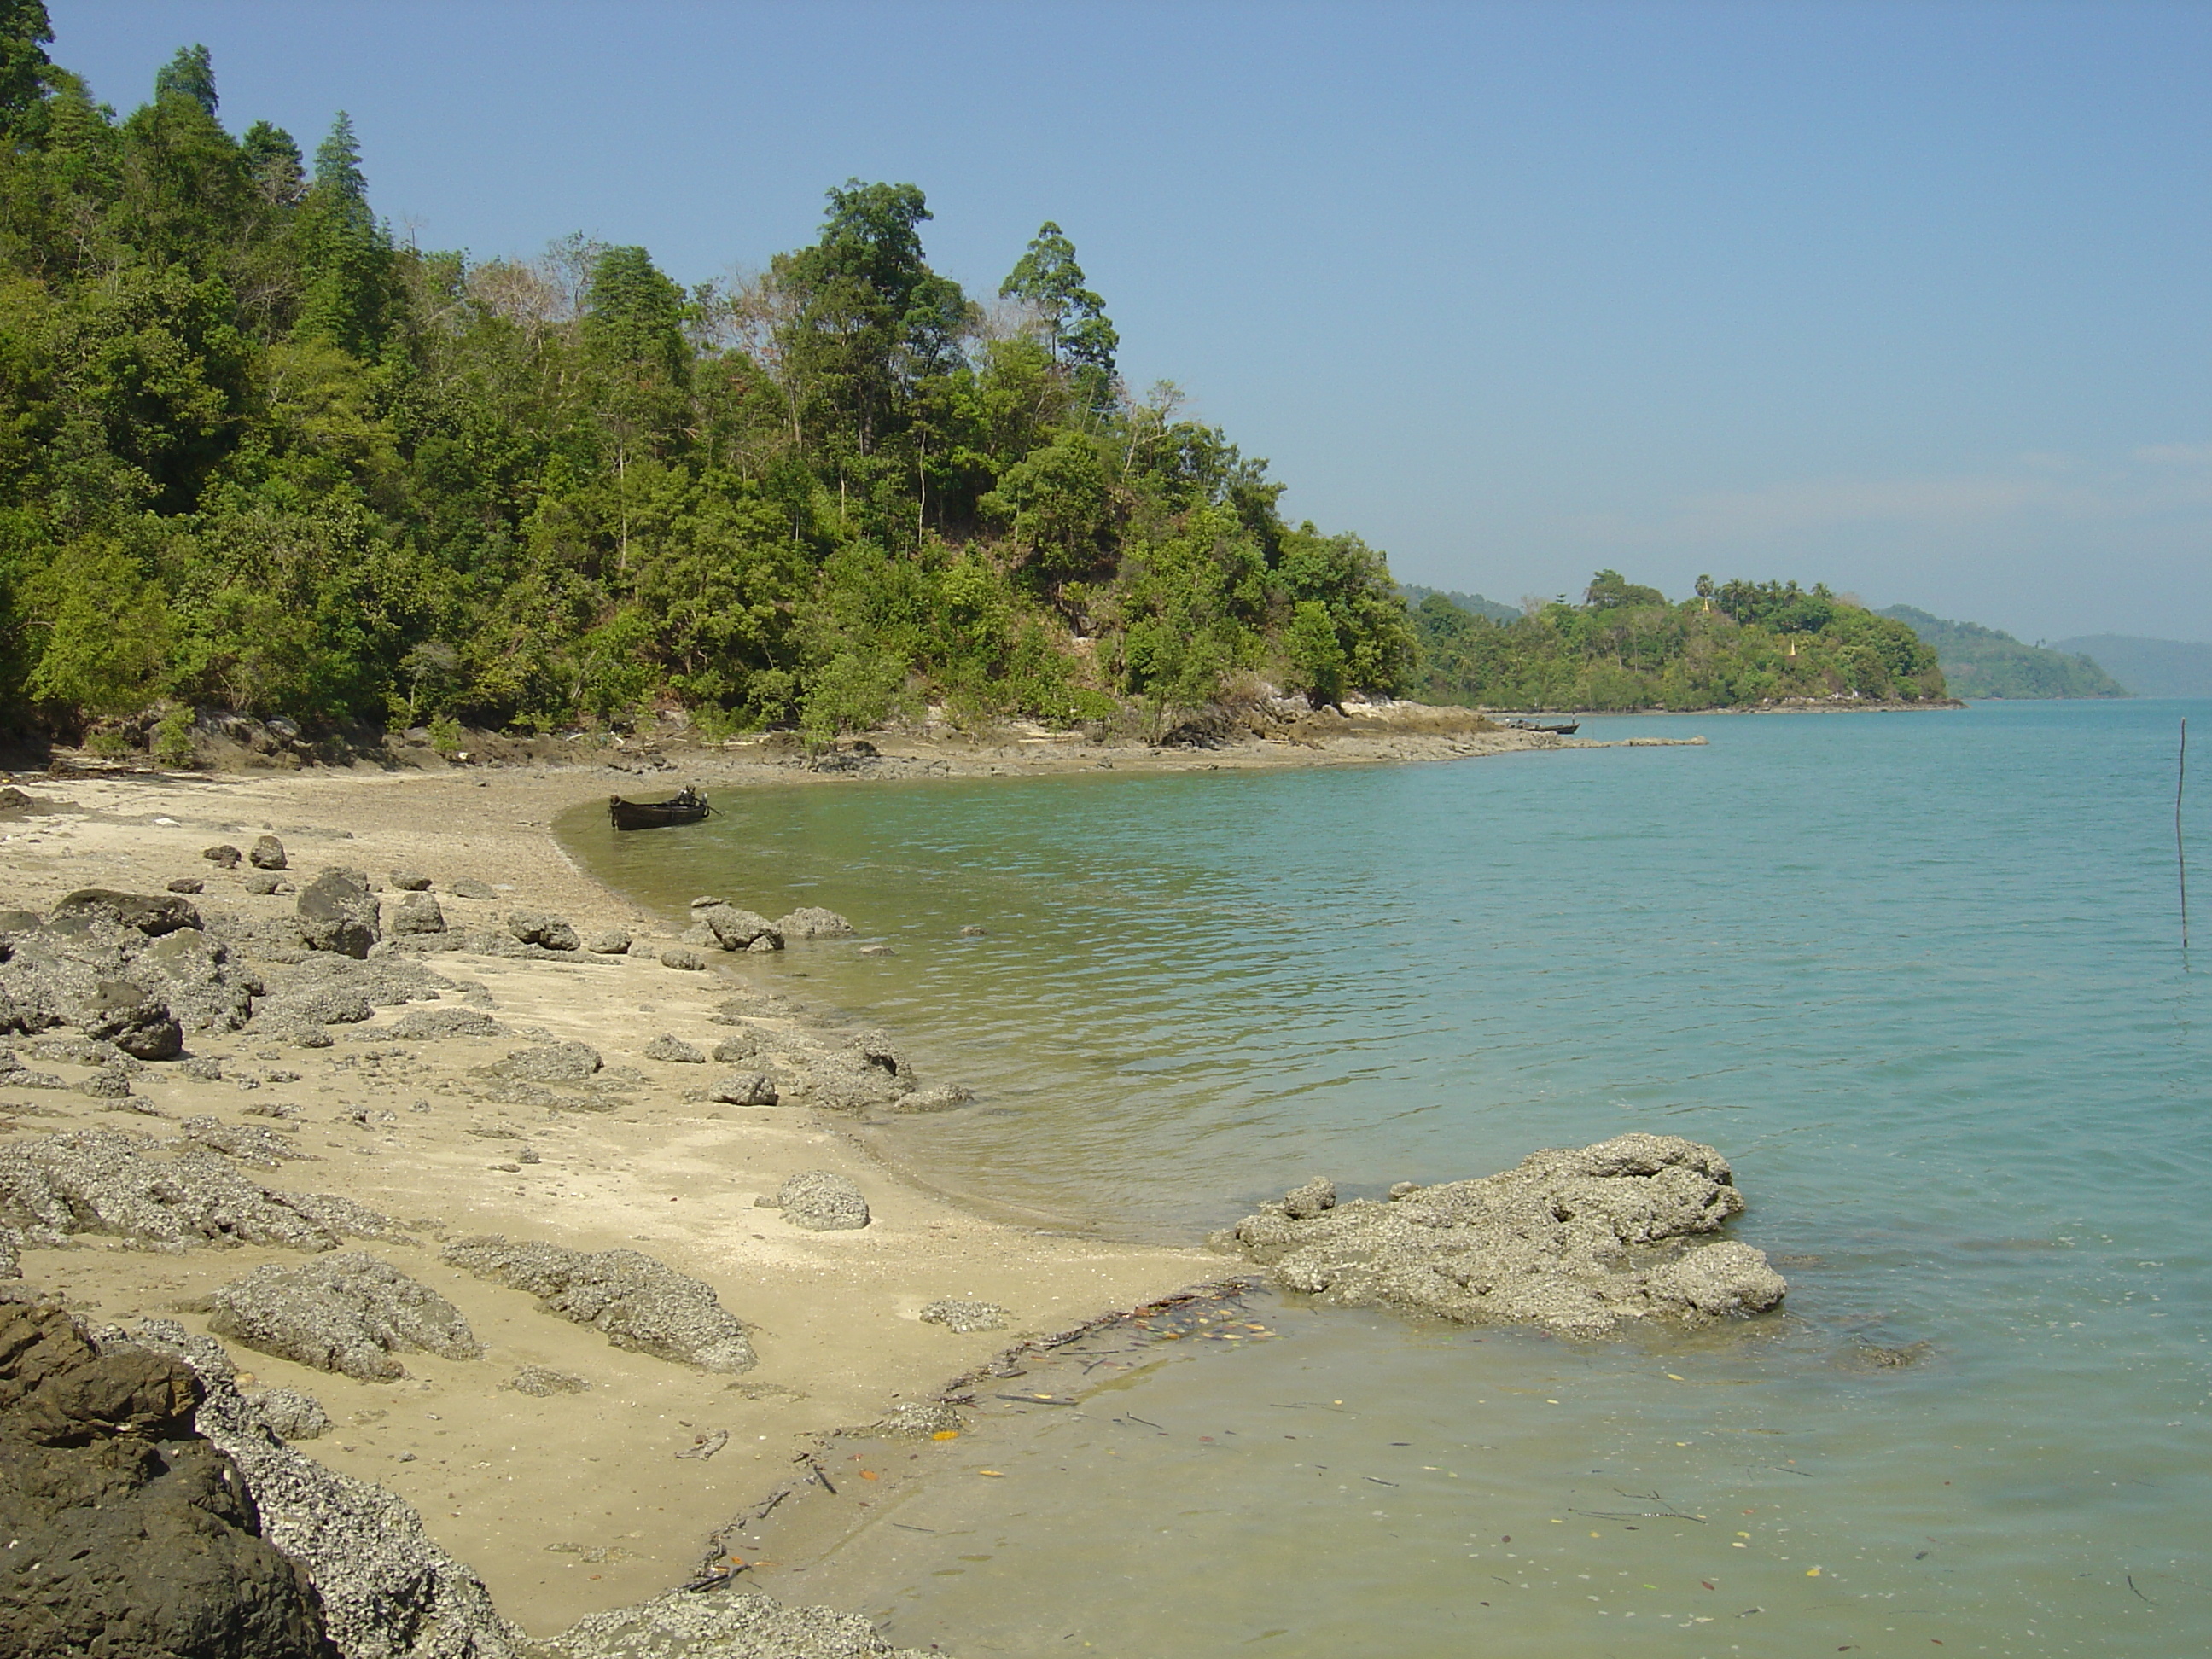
162,1195
351,1312
1578,1240
638,1302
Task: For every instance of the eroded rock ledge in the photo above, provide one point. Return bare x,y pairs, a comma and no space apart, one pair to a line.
1578,1240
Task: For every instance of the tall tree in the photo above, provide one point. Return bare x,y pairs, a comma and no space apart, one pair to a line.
634,315
190,74
1048,278
24,29
349,289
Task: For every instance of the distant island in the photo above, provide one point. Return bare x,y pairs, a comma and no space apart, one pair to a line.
1626,647
1984,662
1473,604
2151,668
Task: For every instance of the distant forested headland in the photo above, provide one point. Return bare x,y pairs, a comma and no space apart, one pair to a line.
1626,647
256,455
1984,662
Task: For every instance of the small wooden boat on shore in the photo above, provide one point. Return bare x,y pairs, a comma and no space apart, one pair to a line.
685,806
1564,729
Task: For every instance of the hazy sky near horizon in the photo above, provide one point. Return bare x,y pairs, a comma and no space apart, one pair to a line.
1909,298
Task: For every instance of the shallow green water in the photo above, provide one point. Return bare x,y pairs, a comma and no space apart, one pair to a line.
1916,976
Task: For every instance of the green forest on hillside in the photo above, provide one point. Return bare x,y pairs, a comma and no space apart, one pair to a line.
1626,647
255,455
1984,662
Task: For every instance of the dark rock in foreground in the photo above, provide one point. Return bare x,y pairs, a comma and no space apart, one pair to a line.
128,1535
1578,1240
638,1302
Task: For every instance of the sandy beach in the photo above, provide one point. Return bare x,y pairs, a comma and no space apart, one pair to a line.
570,1503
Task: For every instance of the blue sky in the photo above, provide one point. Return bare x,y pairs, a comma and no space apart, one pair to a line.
1911,299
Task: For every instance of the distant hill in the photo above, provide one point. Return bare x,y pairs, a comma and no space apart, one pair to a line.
1982,662
1474,604
2152,668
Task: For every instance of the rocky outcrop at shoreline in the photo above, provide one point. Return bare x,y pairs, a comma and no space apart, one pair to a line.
1578,1240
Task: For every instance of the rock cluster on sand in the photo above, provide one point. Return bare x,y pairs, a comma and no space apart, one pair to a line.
552,1062
418,913
673,1050
161,1195
349,1313
636,1302
134,969
1578,1240
823,1201
420,1024
128,1535
961,1316
543,929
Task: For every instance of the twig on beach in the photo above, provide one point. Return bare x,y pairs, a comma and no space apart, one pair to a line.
823,1478
2131,1585
1148,1423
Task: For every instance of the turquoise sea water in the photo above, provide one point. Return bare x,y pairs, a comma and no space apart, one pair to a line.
1918,976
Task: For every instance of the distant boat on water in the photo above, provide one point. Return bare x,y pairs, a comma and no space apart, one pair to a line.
686,806
1564,729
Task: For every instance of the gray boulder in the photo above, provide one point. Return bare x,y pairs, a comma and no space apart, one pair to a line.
823,1201
608,942
268,854
738,1045
743,1089
186,884
682,959
410,881
417,912
635,1302
350,1313
337,913
134,1020
737,930
812,922
150,914
674,1050
1578,1240
289,1414
224,857
469,887
262,882
543,929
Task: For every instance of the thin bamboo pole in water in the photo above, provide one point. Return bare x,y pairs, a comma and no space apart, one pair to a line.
2181,861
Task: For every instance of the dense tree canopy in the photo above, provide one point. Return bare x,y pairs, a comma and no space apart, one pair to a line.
256,455
1625,646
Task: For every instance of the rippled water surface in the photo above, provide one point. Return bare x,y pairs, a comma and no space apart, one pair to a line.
1918,976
